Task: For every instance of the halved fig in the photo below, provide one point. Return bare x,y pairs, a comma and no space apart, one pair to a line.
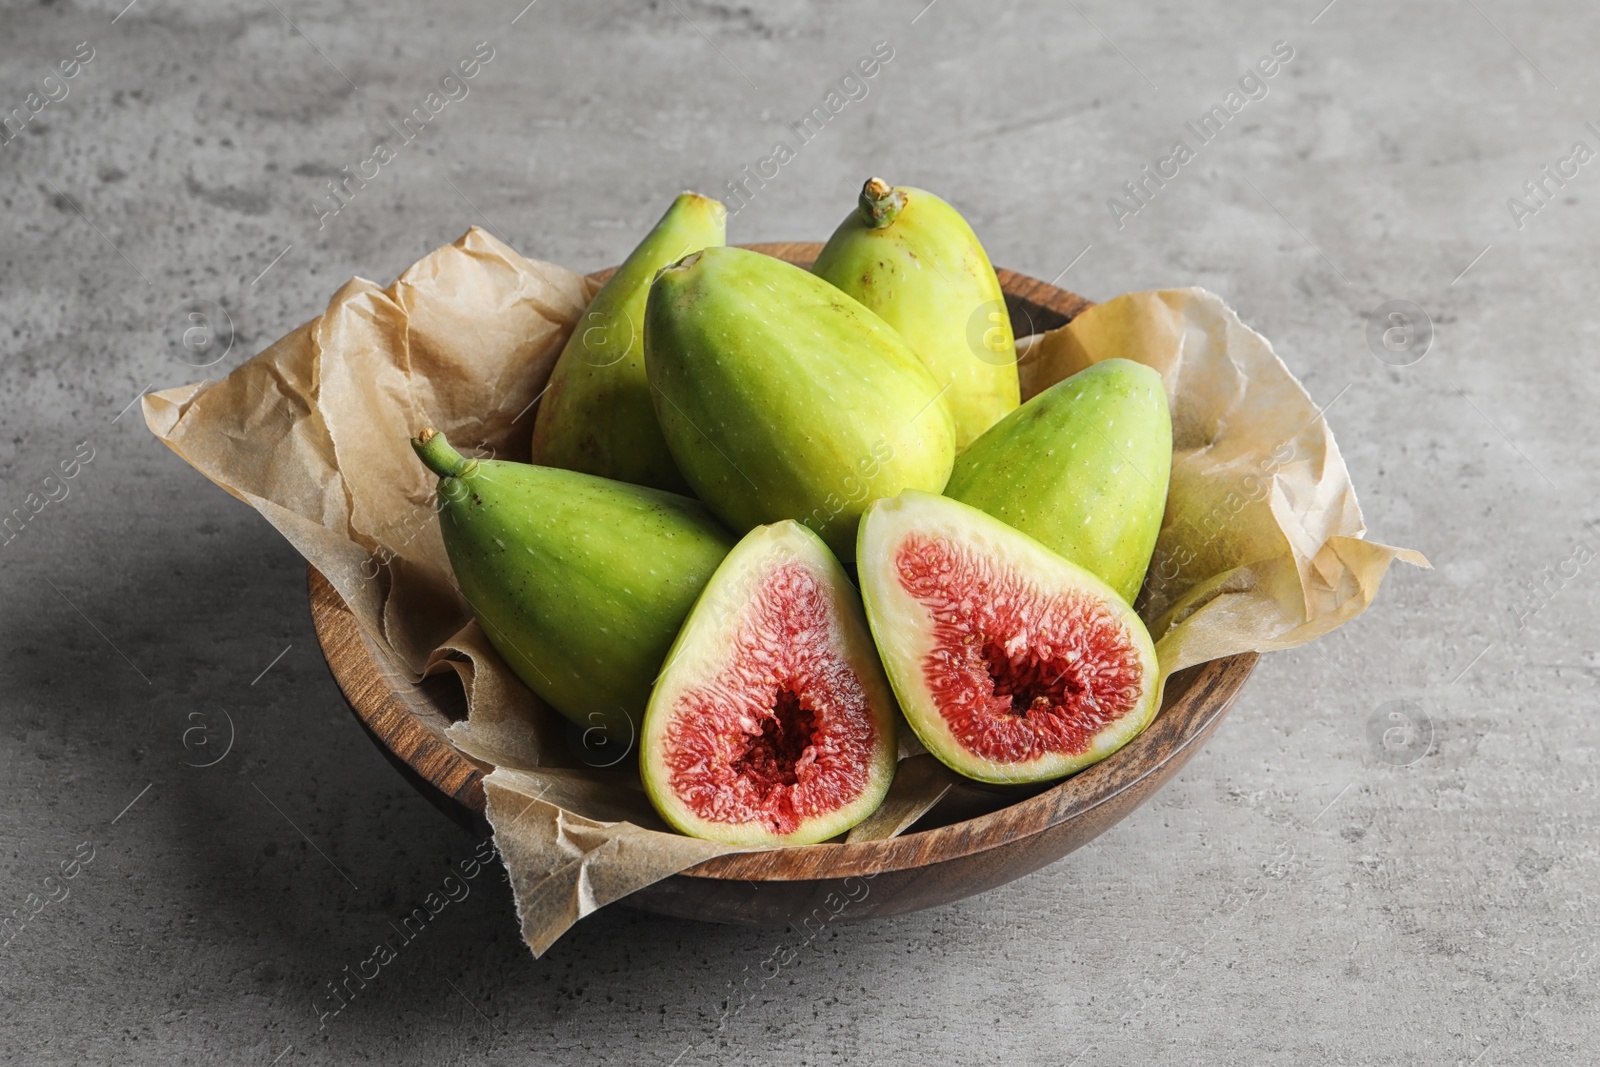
772,722
1011,663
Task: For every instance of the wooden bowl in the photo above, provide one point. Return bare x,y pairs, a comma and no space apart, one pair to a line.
921,869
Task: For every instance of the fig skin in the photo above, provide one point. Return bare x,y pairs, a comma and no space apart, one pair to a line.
1082,468
580,583
701,650
596,415
783,398
913,260
902,628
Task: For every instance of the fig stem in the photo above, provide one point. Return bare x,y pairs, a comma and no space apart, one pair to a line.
880,203
437,455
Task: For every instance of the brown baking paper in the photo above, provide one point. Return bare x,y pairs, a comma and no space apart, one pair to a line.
1262,546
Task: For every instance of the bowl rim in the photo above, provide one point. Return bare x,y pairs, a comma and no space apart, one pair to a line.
1195,699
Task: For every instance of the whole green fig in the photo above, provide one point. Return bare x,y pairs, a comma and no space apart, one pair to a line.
783,398
596,414
1082,468
912,259
580,583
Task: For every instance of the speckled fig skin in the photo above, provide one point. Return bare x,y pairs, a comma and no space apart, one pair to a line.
783,398
1082,468
596,414
579,582
913,260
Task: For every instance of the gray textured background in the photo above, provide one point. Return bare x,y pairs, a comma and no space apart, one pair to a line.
1302,894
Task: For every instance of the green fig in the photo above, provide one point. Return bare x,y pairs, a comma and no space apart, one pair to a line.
1082,468
1011,663
783,398
912,258
580,583
596,416
772,723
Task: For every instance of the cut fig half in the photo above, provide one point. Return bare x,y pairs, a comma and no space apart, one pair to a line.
1010,663
772,722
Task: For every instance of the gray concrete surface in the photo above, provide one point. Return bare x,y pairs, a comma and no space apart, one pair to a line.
1305,893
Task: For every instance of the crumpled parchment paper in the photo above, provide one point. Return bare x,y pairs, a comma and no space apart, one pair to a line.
1262,546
